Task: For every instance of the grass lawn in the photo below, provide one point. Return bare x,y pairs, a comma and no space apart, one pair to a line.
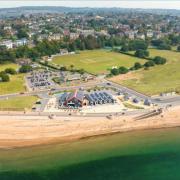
18,103
16,83
157,79
96,61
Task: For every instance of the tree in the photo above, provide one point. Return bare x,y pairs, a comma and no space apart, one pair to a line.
178,48
81,71
25,69
63,68
159,60
10,71
22,33
4,77
115,71
71,67
141,53
137,44
164,46
149,64
137,66
124,48
123,70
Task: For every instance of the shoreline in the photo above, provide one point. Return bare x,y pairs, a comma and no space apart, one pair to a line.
23,131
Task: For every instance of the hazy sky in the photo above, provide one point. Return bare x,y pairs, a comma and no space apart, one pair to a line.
162,4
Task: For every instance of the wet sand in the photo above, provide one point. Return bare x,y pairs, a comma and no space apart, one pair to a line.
21,131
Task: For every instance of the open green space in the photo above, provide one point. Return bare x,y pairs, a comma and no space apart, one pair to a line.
96,61
9,65
16,83
18,103
162,78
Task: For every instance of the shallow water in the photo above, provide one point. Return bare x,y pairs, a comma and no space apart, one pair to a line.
146,155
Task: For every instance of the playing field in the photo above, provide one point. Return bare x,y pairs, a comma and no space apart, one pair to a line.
16,83
163,78
96,61
18,103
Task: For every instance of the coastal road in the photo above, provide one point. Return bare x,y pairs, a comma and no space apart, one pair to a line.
174,101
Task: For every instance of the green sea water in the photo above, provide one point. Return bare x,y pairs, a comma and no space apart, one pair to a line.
141,155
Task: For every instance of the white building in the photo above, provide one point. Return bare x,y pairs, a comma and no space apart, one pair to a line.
149,34
7,43
140,36
20,42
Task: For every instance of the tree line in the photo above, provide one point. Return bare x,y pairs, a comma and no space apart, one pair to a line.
48,48
123,70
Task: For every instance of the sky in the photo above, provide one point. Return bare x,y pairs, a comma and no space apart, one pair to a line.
160,4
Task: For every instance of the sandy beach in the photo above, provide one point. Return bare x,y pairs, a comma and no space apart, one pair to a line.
21,131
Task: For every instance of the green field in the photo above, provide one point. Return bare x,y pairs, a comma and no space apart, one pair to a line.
163,78
96,61
16,83
18,103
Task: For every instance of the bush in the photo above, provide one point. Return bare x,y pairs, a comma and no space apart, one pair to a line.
10,71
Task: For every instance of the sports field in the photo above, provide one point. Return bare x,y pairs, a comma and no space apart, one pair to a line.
18,103
96,61
163,78
16,83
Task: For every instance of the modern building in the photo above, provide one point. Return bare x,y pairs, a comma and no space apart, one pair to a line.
73,100
79,99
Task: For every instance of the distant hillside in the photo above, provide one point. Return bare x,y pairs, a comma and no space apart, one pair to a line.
8,12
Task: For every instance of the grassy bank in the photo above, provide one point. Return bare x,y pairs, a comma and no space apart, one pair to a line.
18,103
16,83
162,78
